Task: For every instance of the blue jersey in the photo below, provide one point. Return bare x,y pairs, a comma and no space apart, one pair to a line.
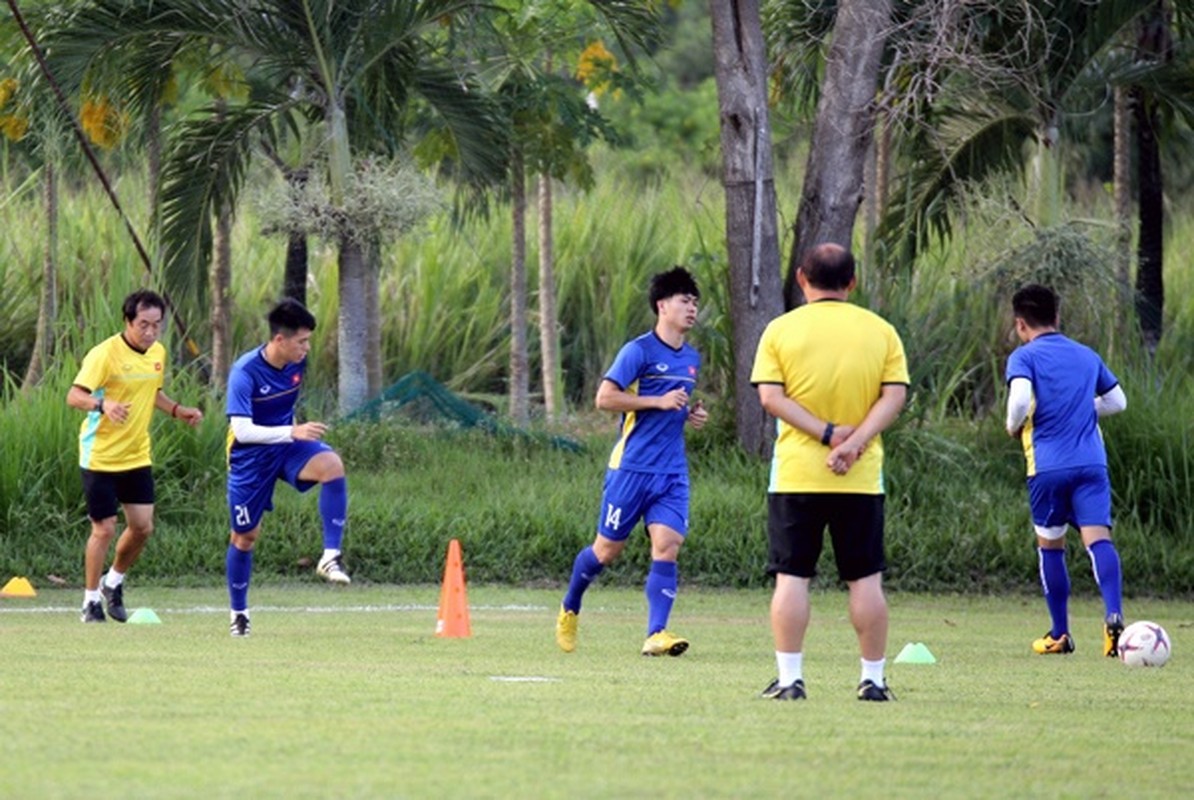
1062,429
652,440
262,392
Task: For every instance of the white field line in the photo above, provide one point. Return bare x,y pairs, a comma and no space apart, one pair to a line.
368,609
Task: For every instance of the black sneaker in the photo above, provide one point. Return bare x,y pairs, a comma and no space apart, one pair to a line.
239,625
93,612
114,600
867,690
776,692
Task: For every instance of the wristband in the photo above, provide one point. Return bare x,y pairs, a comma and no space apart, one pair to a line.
99,405
172,410
828,434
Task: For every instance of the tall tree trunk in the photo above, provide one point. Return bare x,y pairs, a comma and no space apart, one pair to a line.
219,285
519,358
1155,44
352,337
1150,249
747,173
47,306
549,335
373,317
153,168
294,279
1122,181
841,134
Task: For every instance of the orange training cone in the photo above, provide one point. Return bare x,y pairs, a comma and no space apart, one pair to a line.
452,620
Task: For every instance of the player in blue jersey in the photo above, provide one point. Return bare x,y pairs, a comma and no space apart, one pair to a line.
265,445
1057,391
650,384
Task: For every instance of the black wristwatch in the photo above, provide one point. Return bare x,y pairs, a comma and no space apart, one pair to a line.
828,434
99,406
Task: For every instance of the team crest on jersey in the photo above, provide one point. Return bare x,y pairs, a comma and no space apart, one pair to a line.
294,379
661,367
157,366
692,370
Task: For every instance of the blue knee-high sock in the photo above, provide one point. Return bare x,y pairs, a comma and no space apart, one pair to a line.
333,509
585,570
661,594
1104,559
1055,581
239,568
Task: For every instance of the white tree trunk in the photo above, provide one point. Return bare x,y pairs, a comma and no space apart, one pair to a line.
351,335
219,283
549,341
519,358
47,307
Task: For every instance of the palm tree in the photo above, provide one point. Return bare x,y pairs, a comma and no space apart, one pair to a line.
353,69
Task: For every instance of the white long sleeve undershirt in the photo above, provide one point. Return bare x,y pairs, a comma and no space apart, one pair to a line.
1020,397
247,432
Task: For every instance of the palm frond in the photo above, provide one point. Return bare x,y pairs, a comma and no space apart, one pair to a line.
203,172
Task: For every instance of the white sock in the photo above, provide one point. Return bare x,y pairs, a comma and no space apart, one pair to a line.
113,578
873,671
329,554
234,613
791,667
91,596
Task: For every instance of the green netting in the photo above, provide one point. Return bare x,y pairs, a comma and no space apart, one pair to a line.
422,399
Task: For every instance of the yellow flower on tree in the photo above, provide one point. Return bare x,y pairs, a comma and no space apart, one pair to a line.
14,127
8,87
595,66
103,123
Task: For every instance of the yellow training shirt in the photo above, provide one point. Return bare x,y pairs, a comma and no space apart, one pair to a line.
832,357
114,371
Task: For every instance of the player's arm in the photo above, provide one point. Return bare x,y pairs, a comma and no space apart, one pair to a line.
777,403
81,397
1019,401
612,397
1111,402
246,431
188,414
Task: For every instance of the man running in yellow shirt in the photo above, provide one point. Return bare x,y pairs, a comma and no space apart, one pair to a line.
119,385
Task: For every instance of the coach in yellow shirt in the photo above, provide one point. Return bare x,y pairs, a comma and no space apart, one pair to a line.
834,376
119,385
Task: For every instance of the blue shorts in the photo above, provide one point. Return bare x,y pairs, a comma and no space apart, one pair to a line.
631,496
1079,497
252,472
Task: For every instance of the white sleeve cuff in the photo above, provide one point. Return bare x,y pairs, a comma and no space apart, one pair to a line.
246,432
1112,402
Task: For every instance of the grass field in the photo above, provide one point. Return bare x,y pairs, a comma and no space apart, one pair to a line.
349,694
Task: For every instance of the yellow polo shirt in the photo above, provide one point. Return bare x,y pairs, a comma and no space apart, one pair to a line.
833,358
114,371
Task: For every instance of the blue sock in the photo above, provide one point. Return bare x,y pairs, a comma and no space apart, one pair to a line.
333,508
585,570
1055,580
661,593
1104,558
239,567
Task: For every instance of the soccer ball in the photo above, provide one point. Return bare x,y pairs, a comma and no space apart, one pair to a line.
1144,644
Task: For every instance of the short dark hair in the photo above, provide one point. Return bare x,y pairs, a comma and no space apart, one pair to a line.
142,298
288,317
676,280
1037,305
828,266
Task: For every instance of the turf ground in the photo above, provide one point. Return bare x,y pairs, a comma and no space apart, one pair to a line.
347,693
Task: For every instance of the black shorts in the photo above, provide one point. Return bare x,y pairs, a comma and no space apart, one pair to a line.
104,491
796,526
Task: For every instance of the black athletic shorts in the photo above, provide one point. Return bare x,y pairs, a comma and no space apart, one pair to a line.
105,491
796,526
